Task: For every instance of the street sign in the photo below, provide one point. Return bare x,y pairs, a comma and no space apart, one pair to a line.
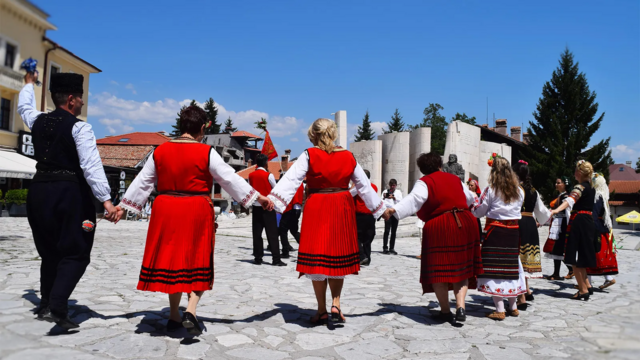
122,175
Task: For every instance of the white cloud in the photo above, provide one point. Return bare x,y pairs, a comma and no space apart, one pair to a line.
114,126
130,87
131,112
622,153
294,139
378,127
113,82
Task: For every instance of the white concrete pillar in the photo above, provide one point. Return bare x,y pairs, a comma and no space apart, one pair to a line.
341,123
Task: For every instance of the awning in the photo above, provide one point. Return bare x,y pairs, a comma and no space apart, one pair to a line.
14,165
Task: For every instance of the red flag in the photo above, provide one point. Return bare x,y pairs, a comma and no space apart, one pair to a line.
268,148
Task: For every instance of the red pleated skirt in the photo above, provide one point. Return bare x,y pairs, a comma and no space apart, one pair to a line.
329,236
178,256
606,262
450,254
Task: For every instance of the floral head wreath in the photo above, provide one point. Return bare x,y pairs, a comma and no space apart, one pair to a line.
580,162
209,124
492,158
523,162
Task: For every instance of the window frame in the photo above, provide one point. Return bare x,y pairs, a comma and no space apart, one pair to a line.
52,64
10,118
4,40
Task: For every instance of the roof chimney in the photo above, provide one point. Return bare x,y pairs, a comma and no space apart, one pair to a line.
515,132
486,126
526,137
629,163
501,126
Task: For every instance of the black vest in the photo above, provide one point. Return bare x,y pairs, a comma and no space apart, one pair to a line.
54,146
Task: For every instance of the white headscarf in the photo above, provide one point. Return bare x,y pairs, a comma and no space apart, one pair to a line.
602,190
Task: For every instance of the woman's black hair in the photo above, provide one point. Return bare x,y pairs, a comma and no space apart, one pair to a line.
522,171
429,163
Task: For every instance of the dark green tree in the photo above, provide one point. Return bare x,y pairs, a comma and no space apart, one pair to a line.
228,126
464,118
176,127
365,132
565,121
638,166
438,124
396,124
212,113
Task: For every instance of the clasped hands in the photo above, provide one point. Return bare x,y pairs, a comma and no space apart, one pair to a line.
388,213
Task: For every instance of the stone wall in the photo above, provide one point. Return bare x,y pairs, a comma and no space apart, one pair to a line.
395,159
341,123
369,155
419,143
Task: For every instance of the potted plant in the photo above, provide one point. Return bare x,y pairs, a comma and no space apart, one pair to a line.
17,200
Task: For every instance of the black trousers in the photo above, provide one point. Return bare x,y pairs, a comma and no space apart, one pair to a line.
366,233
390,226
289,223
265,220
56,211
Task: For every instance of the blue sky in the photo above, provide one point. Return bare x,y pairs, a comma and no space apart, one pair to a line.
295,61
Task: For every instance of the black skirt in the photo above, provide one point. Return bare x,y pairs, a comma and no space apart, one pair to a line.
529,245
580,250
558,246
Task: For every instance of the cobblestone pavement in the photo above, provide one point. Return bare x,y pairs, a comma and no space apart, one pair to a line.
261,312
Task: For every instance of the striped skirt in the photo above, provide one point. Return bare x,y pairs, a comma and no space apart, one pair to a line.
178,256
329,236
450,254
503,273
530,247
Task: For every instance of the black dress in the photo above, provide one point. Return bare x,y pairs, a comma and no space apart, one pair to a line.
529,240
580,250
558,247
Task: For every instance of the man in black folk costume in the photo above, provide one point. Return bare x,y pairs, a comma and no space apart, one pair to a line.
60,203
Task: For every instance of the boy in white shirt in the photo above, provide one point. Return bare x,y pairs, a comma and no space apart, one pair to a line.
391,196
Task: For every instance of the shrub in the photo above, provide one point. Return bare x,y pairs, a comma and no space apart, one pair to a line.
17,196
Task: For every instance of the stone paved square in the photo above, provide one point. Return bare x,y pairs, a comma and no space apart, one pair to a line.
261,312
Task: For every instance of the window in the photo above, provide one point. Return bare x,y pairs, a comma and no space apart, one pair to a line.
10,55
621,169
5,114
54,70
123,140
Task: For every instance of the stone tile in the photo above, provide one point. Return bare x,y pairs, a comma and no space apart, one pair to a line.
193,351
130,346
368,349
254,353
233,339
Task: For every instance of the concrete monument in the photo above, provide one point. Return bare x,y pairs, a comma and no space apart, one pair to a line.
368,155
419,143
341,123
452,167
395,159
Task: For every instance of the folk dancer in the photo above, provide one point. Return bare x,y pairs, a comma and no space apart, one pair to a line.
390,196
501,202
450,238
329,239
606,262
554,247
60,203
474,187
289,222
263,181
178,255
533,213
580,248
366,224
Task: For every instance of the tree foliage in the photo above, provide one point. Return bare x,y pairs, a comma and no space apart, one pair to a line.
464,118
565,121
438,124
176,127
212,113
365,132
396,124
228,126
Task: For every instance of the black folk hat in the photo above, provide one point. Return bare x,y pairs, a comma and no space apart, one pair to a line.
66,83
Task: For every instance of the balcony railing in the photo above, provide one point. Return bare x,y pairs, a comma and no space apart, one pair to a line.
10,78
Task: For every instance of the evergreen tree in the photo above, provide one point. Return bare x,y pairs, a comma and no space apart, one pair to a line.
464,118
638,166
396,124
438,124
365,132
212,113
228,126
565,121
176,127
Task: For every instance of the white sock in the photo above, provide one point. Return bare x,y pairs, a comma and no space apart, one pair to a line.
590,279
513,303
608,277
498,301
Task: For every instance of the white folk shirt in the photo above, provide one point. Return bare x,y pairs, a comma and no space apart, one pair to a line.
272,181
390,202
85,140
418,197
492,206
286,188
223,174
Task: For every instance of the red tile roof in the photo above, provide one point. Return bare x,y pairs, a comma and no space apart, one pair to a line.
274,168
627,174
243,133
624,187
123,156
136,138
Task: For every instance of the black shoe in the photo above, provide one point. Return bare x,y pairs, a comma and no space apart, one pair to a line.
336,317
393,252
257,261
279,264
365,262
173,325
62,321
579,296
190,323
522,307
444,317
285,256
385,251
461,315
41,309
529,297
590,290
291,249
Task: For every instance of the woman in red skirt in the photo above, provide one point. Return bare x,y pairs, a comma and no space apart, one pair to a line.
328,239
606,262
450,238
178,256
